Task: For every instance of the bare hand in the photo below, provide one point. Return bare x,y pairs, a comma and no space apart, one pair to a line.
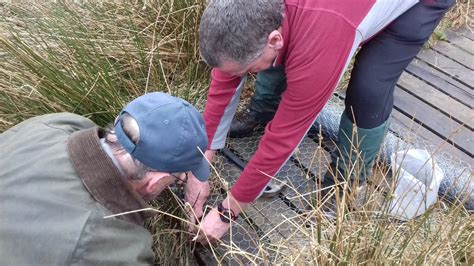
196,193
212,228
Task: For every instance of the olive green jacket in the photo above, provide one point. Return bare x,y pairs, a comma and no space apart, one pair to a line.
56,186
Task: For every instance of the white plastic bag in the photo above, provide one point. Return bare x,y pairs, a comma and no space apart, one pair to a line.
417,180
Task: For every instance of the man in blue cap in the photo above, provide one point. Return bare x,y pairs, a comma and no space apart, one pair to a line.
60,175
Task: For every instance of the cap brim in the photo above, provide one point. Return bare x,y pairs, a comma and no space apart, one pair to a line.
202,171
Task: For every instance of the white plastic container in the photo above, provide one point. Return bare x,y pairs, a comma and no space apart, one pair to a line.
417,178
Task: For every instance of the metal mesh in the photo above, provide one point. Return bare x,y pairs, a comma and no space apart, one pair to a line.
265,221
458,180
266,217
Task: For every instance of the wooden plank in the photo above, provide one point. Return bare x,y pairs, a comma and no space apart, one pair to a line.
467,33
447,105
462,138
442,82
405,126
462,40
448,66
457,54
464,43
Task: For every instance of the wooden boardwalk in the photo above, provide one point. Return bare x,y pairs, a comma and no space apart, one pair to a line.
434,99
437,92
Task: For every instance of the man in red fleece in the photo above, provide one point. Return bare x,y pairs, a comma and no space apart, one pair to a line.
306,45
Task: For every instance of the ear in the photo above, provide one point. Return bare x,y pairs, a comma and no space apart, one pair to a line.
275,40
153,181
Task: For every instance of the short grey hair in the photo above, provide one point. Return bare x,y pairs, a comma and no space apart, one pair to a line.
131,129
237,30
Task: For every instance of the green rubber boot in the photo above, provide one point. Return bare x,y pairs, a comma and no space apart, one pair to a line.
354,157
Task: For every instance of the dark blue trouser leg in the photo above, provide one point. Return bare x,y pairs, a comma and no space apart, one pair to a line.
369,97
381,61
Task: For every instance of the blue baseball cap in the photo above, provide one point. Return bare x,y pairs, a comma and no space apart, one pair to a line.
171,133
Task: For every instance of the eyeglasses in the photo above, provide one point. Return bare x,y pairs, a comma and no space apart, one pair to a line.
184,181
182,178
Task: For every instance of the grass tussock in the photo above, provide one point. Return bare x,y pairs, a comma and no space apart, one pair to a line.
92,58
461,15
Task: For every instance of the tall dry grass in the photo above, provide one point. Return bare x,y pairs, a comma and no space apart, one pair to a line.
461,15
94,57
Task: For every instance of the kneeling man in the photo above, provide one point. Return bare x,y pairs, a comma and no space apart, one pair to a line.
60,175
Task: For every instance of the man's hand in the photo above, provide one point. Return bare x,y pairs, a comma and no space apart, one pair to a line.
212,228
196,193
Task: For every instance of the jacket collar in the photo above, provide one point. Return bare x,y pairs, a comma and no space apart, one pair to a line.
101,177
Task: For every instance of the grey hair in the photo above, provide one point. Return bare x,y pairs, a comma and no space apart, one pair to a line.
131,129
237,30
